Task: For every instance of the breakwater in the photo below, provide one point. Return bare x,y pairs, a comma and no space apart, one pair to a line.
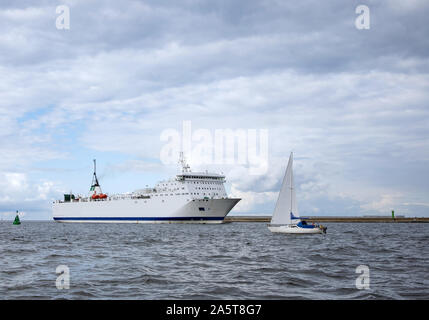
376,219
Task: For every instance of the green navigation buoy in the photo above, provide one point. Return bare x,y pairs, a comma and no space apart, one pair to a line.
16,221
393,214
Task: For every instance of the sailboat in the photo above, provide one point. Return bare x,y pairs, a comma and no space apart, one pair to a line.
286,217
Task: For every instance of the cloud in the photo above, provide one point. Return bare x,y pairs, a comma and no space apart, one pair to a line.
351,104
29,197
14,181
251,201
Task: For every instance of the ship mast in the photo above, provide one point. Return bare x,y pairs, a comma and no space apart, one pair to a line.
95,183
291,185
291,194
182,161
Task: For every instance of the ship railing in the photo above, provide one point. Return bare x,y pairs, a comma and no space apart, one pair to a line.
121,197
140,196
145,191
112,197
129,196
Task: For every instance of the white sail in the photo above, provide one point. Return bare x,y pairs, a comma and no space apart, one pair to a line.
286,206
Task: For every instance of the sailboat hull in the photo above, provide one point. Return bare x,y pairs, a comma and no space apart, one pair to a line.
294,229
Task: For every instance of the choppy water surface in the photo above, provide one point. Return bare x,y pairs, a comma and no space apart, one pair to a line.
229,261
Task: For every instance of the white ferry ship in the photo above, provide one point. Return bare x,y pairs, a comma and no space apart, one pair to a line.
190,197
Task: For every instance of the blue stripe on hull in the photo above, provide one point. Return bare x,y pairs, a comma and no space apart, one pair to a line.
138,218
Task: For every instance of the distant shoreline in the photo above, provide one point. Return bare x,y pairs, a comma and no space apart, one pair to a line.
335,219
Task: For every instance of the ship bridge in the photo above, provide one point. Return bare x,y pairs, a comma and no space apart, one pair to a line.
198,176
189,185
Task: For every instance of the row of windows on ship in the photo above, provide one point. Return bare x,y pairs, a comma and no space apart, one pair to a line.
187,193
176,189
201,177
195,182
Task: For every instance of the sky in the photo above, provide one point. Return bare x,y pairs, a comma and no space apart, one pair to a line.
351,104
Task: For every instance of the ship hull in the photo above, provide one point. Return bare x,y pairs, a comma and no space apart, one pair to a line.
156,210
295,230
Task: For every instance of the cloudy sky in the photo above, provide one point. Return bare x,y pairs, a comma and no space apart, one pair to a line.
353,105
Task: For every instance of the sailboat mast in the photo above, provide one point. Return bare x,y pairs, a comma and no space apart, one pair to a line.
291,198
291,184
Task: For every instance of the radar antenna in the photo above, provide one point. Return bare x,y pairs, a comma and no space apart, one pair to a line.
182,161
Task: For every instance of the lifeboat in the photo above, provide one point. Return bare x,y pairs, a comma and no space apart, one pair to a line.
102,196
95,196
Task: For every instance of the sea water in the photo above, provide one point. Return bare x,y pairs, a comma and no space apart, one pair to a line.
228,261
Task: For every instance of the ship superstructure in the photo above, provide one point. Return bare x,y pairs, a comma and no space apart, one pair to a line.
197,197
